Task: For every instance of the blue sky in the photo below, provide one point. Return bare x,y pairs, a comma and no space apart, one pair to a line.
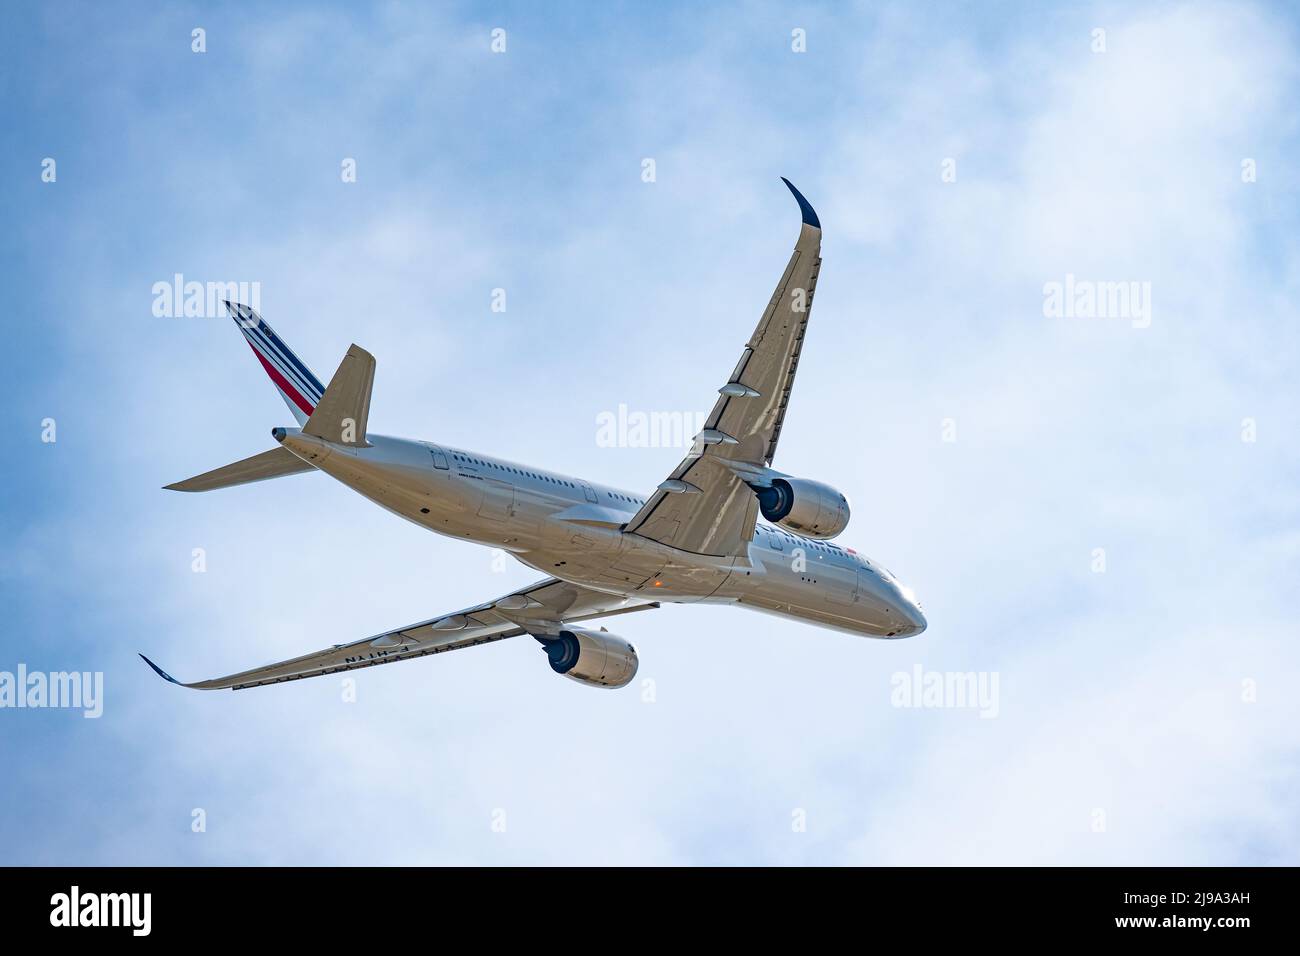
1120,692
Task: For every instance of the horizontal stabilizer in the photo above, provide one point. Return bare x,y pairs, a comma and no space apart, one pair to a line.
269,464
343,412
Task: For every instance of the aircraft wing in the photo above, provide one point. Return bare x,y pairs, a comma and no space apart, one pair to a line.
705,505
540,608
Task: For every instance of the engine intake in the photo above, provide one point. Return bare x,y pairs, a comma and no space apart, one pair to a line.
598,658
808,508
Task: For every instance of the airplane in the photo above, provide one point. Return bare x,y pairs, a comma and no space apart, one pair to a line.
605,551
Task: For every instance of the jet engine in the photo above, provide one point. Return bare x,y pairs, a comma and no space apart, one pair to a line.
598,658
808,508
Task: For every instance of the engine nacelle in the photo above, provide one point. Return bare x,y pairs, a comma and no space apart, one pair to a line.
808,508
598,658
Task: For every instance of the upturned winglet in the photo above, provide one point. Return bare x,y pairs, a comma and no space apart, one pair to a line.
805,207
160,672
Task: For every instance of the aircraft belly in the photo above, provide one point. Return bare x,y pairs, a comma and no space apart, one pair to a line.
498,501
686,585
841,619
840,584
630,564
819,592
634,564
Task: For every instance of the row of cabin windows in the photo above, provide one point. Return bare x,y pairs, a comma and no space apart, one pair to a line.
514,471
531,474
803,542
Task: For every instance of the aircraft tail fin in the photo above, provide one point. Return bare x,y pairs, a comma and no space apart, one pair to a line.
300,389
269,464
343,412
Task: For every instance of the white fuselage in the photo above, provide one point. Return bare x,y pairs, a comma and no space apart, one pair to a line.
571,529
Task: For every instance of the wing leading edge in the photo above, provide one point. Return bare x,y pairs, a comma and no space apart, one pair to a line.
705,506
540,608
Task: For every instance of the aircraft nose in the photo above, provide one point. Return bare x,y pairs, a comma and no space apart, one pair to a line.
910,611
915,619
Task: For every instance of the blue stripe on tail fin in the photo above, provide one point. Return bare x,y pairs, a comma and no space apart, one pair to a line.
300,389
